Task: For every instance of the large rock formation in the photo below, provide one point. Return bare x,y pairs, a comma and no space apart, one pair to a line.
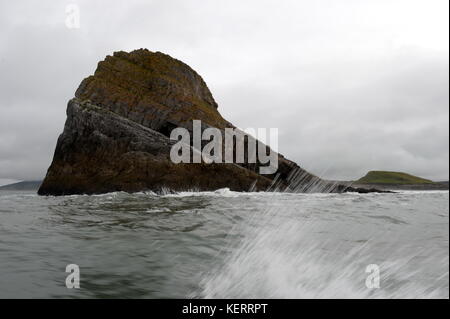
116,136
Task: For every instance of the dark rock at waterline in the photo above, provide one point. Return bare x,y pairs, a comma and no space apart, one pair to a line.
116,136
100,151
361,190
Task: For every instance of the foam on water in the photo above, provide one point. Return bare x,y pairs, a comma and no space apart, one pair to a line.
282,256
225,244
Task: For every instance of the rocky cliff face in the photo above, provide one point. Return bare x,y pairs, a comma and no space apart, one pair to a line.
116,136
100,151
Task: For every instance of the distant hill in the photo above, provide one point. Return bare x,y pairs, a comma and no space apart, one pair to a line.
22,186
385,177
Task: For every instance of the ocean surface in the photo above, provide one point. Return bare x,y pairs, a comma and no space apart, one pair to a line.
226,245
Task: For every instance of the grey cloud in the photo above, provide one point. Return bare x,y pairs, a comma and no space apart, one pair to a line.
351,88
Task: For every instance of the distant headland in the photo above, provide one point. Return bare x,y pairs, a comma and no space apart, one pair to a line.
399,180
22,186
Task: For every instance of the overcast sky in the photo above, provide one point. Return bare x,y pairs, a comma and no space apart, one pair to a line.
352,86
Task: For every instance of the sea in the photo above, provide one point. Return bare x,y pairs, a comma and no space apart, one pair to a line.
225,244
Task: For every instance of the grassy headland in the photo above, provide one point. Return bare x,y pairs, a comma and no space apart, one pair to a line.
385,177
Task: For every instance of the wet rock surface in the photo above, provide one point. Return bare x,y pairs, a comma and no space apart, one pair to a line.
100,151
116,136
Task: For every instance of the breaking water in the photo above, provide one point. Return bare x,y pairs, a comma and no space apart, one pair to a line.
225,244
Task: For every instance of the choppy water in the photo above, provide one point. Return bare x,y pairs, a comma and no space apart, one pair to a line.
225,244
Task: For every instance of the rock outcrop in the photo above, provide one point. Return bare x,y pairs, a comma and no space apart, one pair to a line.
116,136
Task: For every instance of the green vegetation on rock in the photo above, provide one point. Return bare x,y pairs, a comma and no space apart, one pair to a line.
385,177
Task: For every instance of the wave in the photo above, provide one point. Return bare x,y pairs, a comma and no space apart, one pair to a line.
286,255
